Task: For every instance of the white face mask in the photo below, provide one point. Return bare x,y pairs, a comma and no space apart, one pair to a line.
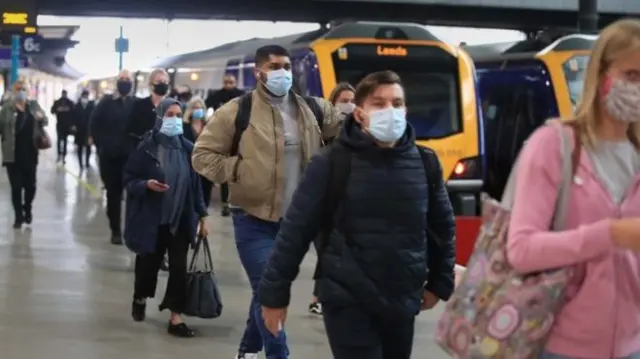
346,108
387,125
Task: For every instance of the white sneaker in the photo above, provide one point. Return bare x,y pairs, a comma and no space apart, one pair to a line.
247,356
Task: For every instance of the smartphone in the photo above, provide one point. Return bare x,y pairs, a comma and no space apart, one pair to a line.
163,185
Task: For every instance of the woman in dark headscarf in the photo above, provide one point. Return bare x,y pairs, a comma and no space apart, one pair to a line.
164,208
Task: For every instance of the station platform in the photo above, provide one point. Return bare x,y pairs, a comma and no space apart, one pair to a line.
65,291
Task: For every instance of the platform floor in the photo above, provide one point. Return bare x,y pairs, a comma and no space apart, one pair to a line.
65,292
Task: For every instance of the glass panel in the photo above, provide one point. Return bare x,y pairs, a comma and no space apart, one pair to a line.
574,70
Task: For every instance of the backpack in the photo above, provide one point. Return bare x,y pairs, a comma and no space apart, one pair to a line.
340,168
496,312
244,115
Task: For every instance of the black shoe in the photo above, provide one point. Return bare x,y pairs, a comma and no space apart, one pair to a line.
17,224
116,239
138,311
180,330
28,217
225,211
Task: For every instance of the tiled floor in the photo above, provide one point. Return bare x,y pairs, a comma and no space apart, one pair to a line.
65,291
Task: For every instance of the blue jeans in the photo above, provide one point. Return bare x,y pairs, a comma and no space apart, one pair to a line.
547,355
254,240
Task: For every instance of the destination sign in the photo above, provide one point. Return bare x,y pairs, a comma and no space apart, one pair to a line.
19,18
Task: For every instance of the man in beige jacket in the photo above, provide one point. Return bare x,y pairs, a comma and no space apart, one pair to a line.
280,131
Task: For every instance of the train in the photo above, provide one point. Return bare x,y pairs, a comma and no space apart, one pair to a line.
521,85
439,80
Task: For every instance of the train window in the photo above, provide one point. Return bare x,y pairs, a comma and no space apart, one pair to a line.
430,79
515,104
574,71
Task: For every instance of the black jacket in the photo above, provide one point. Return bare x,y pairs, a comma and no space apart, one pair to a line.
385,212
142,118
108,126
63,109
220,97
81,118
143,210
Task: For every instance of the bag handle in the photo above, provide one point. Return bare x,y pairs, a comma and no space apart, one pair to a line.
201,242
570,156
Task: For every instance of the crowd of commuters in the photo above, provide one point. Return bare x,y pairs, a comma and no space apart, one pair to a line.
340,170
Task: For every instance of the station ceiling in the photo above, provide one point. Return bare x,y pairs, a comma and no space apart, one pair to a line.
322,11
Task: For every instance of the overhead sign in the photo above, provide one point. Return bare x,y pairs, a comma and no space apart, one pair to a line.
19,17
122,45
31,44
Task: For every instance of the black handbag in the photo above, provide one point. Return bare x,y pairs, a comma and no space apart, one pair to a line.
203,296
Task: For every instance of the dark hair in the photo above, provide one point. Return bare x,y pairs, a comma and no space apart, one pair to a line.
338,90
371,82
263,53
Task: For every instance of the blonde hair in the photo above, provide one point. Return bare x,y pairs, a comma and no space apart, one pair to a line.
614,42
153,74
191,105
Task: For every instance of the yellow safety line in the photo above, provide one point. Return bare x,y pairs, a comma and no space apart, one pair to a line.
88,186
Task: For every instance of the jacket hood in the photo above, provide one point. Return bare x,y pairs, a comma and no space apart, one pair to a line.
352,136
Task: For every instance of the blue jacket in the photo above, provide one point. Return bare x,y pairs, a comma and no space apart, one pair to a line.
385,212
144,207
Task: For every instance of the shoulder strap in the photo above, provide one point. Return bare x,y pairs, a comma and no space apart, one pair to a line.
241,122
430,162
570,159
315,108
340,168
570,147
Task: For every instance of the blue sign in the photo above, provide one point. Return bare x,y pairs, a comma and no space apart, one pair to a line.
5,59
31,45
122,45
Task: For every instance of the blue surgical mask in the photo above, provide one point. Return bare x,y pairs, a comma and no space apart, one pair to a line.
171,126
21,96
279,82
387,125
198,114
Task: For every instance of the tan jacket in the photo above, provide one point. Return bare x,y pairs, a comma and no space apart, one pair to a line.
256,175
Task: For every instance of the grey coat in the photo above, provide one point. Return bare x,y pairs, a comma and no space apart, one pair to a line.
8,128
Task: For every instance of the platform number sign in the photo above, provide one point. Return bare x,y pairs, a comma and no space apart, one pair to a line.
31,44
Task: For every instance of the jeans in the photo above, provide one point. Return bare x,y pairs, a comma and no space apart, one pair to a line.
547,355
254,240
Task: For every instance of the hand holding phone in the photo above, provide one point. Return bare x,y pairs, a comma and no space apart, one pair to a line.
157,186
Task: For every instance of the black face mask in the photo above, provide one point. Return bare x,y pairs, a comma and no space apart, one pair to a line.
161,88
124,87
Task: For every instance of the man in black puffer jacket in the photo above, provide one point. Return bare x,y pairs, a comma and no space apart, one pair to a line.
389,250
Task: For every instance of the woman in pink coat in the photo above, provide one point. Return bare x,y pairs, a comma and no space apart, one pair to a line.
601,318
